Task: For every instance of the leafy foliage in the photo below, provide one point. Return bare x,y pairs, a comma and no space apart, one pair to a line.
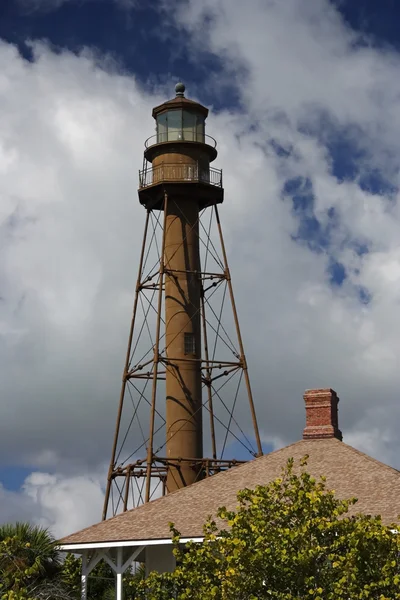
33,547
289,540
31,568
71,574
29,563
14,570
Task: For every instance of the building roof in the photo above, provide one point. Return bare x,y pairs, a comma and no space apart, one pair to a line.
348,471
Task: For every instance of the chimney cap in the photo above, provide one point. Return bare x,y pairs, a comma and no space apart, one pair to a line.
319,391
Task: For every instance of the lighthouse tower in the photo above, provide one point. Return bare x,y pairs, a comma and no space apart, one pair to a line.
185,384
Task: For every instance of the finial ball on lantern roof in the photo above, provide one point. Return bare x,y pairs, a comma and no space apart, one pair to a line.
180,89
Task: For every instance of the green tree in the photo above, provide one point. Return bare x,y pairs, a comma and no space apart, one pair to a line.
30,564
289,540
15,575
71,574
28,557
36,546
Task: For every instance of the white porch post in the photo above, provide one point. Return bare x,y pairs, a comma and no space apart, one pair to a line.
84,576
119,571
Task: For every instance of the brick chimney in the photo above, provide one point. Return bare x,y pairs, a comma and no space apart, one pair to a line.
321,415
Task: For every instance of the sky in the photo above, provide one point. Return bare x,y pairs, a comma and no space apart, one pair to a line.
304,104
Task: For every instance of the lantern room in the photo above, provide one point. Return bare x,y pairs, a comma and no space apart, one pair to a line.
178,156
180,120
178,124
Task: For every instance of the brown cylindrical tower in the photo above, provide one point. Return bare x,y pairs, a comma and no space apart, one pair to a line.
180,156
183,340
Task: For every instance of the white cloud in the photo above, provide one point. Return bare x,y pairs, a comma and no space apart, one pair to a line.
69,237
14,506
65,504
60,503
71,141
304,78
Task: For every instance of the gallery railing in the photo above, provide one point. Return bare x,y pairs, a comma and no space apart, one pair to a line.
179,172
180,136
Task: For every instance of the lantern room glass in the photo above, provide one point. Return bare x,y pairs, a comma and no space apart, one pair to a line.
182,125
189,126
174,124
162,129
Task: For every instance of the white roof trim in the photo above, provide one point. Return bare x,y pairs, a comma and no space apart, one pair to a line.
130,543
124,544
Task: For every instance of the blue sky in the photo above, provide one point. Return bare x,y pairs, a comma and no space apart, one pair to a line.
305,106
139,37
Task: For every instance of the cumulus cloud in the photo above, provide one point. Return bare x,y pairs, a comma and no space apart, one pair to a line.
306,84
65,504
71,138
71,135
61,504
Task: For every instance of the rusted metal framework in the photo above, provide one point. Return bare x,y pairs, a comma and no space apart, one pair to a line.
185,391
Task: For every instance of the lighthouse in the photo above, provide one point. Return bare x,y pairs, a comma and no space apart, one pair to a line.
178,186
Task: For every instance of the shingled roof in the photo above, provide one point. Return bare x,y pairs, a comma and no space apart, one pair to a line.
349,472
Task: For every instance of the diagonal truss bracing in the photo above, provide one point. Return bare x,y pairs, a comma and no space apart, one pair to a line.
139,465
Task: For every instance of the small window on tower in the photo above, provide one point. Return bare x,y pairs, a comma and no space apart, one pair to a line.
190,346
